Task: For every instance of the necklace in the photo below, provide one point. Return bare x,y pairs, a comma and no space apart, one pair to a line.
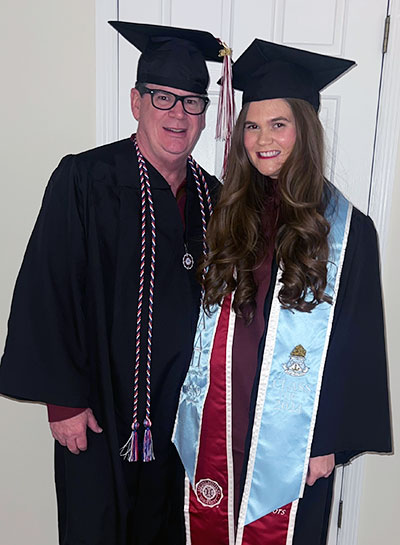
187,259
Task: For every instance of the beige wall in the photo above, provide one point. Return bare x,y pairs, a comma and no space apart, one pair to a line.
47,109
379,510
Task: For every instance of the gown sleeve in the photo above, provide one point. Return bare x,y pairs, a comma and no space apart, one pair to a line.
45,355
353,414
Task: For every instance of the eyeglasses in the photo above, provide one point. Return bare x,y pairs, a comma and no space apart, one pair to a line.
165,100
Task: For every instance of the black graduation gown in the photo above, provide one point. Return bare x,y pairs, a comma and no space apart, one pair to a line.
71,340
353,413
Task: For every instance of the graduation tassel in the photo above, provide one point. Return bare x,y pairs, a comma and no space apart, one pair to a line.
148,452
226,103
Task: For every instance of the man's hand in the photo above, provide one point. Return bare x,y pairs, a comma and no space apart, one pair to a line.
71,433
320,466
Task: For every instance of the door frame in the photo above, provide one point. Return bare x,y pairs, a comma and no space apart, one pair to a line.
387,143
386,156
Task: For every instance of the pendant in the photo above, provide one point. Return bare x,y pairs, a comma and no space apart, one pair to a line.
188,261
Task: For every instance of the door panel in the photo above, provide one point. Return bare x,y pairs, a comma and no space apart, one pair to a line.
313,25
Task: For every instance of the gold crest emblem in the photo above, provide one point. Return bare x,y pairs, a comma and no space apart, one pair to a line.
296,366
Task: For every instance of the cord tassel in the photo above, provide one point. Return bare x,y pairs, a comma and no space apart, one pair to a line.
148,452
130,451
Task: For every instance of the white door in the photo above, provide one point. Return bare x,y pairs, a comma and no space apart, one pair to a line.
348,28
352,29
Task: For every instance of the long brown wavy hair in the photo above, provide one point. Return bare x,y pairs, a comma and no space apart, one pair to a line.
236,238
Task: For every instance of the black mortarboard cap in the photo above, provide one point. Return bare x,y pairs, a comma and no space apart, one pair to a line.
172,56
267,70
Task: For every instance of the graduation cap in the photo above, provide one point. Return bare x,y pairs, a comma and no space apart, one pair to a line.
267,70
172,56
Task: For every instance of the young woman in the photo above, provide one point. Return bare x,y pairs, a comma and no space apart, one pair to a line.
288,375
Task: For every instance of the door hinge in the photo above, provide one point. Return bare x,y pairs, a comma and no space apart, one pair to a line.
340,514
386,34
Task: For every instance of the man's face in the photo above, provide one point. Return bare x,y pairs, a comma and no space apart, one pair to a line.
165,135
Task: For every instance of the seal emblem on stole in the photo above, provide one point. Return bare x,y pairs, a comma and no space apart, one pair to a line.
296,366
208,492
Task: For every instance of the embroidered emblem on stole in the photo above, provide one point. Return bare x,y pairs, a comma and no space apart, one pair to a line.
296,366
208,492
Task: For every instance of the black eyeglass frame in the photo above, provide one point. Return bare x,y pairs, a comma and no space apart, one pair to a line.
143,90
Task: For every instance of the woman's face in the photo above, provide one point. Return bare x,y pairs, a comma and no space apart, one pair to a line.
269,135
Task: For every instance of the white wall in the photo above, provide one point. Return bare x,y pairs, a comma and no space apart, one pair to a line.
379,510
47,109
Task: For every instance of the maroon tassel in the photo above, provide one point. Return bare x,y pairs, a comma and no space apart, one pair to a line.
148,452
226,104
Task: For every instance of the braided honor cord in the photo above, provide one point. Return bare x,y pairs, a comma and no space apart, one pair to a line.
130,450
198,175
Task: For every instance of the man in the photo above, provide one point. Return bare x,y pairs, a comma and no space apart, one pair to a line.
106,302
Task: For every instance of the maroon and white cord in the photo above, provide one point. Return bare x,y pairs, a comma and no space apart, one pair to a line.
130,451
198,175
